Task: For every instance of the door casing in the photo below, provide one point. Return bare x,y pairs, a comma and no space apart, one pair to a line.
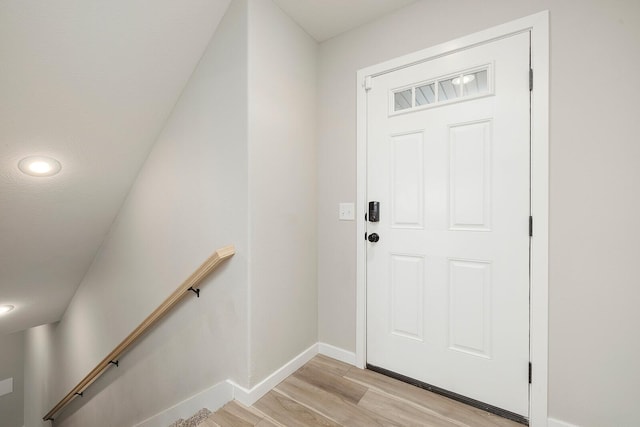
538,25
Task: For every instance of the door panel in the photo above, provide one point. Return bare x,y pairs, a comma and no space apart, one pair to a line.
407,308
470,176
470,307
407,181
448,281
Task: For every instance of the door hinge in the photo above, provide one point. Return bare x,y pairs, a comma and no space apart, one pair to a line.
530,226
365,235
367,83
530,79
529,372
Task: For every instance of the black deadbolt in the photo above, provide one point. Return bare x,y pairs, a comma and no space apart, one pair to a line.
373,237
374,211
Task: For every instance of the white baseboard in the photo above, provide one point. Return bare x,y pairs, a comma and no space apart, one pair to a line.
249,396
557,423
337,353
212,398
221,393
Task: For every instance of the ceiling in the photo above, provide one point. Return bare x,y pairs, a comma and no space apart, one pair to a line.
324,19
91,83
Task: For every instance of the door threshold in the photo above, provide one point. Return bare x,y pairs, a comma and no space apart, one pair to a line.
451,395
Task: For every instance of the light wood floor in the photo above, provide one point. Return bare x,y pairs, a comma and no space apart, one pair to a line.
325,392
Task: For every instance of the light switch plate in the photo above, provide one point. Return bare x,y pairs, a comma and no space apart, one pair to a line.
347,212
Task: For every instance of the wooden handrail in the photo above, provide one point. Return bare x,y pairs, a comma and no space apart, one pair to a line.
207,267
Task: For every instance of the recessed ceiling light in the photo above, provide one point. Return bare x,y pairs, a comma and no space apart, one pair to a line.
5,309
465,79
39,166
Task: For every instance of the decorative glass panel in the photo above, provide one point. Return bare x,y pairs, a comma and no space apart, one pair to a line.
402,100
475,83
465,85
449,89
426,94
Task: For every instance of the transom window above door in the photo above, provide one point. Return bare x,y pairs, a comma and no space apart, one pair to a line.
460,86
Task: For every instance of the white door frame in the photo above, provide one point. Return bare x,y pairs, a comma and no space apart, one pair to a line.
538,24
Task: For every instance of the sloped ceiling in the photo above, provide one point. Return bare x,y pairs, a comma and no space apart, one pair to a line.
91,84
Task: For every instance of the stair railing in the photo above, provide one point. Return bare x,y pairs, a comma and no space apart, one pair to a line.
189,285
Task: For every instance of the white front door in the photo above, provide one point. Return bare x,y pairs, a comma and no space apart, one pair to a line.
448,280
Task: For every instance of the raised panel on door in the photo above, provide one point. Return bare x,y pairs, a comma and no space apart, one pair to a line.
406,299
470,307
407,181
470,176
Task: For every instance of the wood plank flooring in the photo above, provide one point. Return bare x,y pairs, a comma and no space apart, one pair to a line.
326,392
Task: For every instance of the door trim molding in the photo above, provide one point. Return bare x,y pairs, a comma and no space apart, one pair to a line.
538,25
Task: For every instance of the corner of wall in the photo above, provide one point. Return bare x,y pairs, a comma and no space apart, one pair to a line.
282,183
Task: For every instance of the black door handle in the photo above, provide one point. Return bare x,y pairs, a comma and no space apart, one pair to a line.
373,237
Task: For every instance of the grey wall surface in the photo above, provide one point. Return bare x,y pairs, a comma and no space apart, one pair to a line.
282,189
594,197
12,366
38,367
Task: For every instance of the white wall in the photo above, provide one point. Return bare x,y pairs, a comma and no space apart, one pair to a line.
595,171
38,367
12,366
282,188
189,199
